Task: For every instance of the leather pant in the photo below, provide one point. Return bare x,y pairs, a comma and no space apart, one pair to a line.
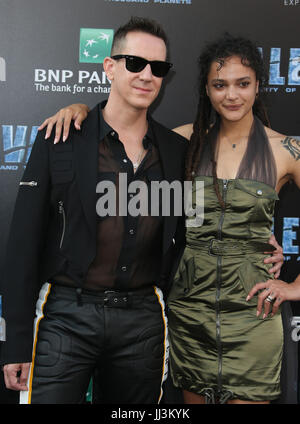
118,339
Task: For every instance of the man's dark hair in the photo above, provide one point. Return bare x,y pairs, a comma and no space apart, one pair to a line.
136,24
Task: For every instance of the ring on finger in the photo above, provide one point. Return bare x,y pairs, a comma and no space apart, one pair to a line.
270,299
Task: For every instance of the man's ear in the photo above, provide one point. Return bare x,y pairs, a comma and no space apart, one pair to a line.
109,66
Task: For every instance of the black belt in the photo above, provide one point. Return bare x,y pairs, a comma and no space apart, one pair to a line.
108,298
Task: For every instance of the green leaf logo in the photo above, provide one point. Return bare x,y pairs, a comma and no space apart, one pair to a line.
95,44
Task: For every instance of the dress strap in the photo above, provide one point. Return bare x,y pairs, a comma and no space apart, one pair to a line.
258,162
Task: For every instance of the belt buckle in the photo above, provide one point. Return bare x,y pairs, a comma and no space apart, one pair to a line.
210,247
113,300
106,293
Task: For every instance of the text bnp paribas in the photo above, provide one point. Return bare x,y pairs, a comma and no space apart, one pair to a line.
68,81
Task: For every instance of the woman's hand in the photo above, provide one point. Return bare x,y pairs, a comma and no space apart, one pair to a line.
273,293
277,257
62,119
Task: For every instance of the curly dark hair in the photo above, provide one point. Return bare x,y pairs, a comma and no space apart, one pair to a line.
218,51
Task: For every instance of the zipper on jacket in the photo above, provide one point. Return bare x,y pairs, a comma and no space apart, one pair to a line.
218,292
28,183
61,211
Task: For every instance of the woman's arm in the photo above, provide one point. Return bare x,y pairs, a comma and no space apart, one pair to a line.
274,292
184,130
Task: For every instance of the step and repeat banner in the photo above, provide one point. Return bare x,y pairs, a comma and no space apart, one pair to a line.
51,55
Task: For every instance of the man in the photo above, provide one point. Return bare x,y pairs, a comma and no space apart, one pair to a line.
102,307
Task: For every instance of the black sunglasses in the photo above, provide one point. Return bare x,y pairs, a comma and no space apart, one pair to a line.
137,64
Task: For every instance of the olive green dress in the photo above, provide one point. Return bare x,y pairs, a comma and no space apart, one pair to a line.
219,348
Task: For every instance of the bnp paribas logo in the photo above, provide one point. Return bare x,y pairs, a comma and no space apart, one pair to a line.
95,44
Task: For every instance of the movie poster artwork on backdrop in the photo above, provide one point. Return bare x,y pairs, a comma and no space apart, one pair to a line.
283,77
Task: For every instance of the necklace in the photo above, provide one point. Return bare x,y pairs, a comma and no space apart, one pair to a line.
234,145
138,160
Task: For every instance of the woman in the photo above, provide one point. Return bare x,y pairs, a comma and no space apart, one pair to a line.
221,347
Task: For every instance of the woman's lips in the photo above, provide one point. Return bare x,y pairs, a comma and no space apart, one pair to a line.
233,107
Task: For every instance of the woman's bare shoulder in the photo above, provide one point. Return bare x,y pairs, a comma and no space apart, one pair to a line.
184,130
277,138
281,142
274,135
